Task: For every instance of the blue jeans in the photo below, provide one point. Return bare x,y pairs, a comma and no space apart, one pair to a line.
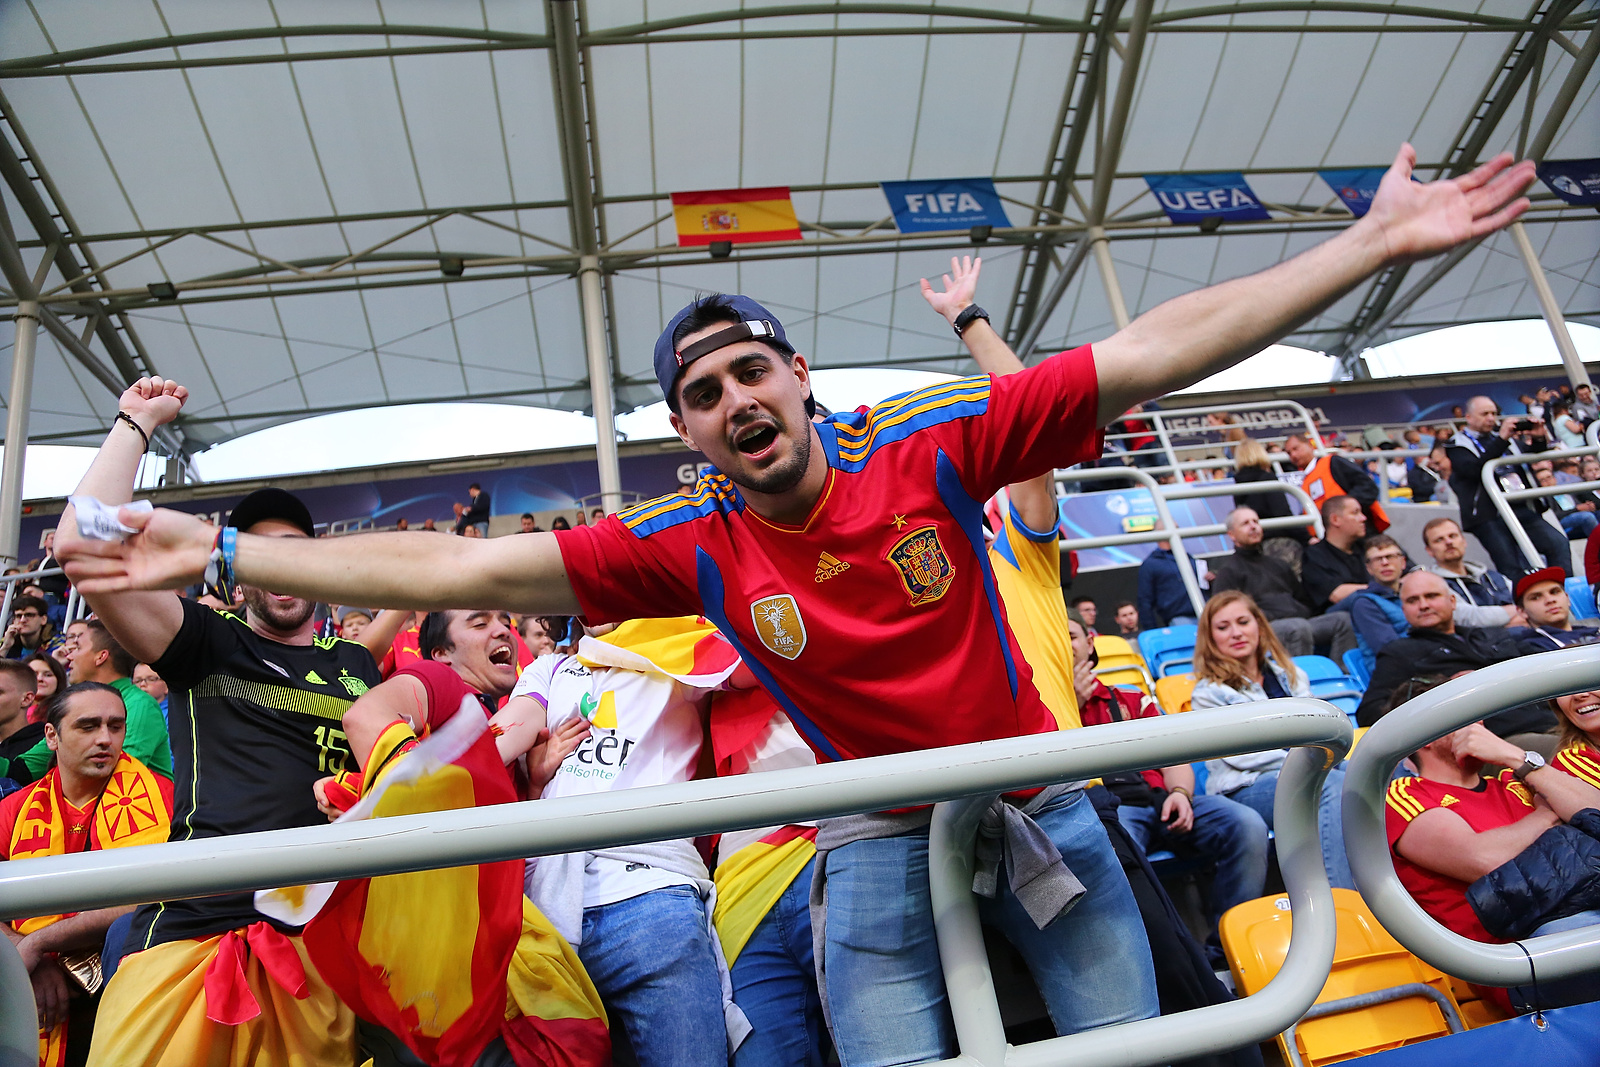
1508,558
886,991
1579,524
1330,820
1226,833
652,960
775,983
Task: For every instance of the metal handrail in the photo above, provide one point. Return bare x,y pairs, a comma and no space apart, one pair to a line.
1167,531
12,581
1158,420
1502,499
1319,733
1406,729
1385,454
1188,490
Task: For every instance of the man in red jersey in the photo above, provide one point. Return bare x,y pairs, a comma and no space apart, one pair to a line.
803,538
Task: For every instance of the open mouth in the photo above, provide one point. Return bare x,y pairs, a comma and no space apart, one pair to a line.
756,439
502,656
1587,709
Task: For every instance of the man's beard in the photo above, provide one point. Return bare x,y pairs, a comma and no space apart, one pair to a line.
284,617
782,476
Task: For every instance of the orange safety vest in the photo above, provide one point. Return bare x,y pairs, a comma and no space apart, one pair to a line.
1319,485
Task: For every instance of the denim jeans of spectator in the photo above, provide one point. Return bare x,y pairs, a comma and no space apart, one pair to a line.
886,993
1579,525
1502,547
652,960
1577,989
775,984
1330,820
1226,833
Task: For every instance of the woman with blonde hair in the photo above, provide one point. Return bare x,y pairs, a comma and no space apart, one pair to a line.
1239,660
1579,749
1253,464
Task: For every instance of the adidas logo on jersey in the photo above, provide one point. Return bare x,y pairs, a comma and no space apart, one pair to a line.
1447,800
829,567
314,678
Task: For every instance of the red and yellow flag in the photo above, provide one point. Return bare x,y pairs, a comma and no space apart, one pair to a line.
737,215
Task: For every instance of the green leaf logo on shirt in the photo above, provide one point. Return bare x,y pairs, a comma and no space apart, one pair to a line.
314,678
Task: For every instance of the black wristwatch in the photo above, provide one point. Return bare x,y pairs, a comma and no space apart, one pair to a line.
1531,761
968,313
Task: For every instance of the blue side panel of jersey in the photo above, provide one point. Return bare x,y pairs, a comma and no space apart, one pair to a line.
850,440
969,513
714,495
1002,545
713,596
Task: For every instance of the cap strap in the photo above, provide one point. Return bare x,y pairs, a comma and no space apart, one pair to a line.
742,331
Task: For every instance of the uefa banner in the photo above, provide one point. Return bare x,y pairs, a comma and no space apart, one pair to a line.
950,204
1355,187
1190,199
739,216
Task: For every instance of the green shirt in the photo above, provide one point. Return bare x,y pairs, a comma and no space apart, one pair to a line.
145,740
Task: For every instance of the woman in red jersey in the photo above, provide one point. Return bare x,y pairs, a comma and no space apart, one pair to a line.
1579,754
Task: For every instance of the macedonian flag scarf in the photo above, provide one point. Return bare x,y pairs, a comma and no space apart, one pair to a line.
131,811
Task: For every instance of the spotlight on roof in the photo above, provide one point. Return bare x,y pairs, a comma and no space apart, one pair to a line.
980,234
1211,224
163,290
721,249
452,266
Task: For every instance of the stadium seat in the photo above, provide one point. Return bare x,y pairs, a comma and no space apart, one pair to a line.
1319,667
1357,669
1121,665
1475,1011
1578,591
1175,692
1169,649
1418,1001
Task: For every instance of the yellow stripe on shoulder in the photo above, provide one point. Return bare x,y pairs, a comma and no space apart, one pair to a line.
1400,799
941,395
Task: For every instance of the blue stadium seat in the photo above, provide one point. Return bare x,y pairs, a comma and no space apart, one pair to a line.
1168,650
1356,668
1582,597
1319,667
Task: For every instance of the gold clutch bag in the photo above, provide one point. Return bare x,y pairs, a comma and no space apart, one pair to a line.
84,966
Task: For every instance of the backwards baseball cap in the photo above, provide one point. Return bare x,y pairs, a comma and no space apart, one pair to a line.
1528,581
756,323
272,503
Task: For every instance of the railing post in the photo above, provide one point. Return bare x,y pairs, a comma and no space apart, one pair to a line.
980,1033
19,1017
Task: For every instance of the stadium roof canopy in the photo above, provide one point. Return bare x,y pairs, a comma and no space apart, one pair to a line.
302,206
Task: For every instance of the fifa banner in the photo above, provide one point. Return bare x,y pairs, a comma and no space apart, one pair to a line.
1577,181
1355,187
952,204
1189,199
737,215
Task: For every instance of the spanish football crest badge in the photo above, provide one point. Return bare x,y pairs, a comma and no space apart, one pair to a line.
778,624
924,568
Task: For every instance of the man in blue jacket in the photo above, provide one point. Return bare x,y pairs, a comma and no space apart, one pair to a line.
1375,611
1163,598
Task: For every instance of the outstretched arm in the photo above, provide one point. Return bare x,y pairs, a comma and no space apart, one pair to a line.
390,570
142,622
1198,334
1034,499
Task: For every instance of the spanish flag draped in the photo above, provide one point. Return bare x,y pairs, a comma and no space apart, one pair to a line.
740,216
687,648
448,959
133,810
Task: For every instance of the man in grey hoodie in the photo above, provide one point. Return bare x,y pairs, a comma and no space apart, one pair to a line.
1483,596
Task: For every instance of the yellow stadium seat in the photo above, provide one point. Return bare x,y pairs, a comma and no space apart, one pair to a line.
1121,665
1116,652
1475,1011
1175,692
1366,959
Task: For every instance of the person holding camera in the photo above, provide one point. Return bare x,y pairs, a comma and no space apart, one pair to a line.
1485,437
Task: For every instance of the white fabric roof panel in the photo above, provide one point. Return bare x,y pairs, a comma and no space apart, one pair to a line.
289,161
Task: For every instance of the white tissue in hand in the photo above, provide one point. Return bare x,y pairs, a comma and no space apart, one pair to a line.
99,522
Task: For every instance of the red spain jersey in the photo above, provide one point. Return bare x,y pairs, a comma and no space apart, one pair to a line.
1497,802
876,624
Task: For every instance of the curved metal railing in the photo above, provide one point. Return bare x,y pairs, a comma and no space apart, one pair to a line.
1319,733
1401,732
1503,498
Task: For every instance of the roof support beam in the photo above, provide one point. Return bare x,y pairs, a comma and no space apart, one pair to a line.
1110,151
576,148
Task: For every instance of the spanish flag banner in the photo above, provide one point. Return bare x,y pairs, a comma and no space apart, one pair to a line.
750,882
737,215
687,648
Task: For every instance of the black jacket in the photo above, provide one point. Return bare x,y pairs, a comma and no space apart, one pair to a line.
1269,581
1325,568
1429,654
1423,483
1556,876
1466,477
1268,505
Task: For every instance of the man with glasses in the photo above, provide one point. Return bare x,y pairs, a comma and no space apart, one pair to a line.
30,630
1486,437
1375,611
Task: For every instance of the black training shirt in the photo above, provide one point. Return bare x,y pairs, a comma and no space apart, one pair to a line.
254,723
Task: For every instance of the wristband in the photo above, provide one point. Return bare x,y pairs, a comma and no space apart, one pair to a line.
123,416
1184,790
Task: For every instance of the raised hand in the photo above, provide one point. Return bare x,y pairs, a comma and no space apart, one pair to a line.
960,286
153,402
169,551
1422,219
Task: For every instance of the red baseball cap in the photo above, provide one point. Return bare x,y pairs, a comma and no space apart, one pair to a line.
1528,581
